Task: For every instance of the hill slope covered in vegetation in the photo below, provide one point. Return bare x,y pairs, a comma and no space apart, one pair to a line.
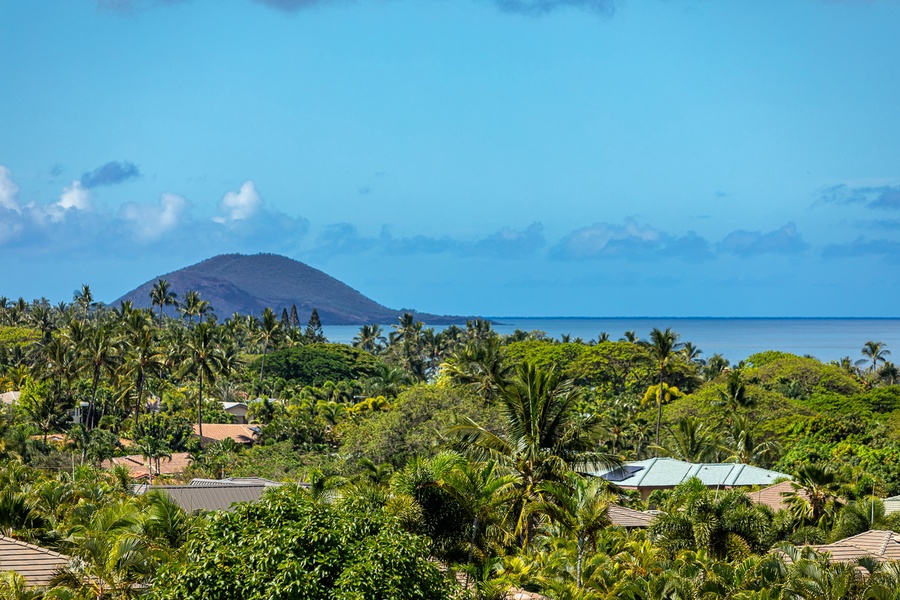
249,284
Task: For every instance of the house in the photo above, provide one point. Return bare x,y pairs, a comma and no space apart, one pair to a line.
217,432
653,474
881,546
202,498
776,496
37,565
139,469
10,398
627,517
238,409
891,505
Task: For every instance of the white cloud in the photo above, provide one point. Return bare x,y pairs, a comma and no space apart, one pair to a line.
149,222
75,196
9,191
239,206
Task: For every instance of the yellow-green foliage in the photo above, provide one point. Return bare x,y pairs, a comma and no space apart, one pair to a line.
544,353
669,393
775,412
18,336
772,369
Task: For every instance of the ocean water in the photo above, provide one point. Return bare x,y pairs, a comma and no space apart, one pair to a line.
733,338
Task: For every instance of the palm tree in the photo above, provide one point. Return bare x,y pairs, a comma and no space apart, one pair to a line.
269,330
481,490
545,435
692,441
193,306
580,507
142,356
203,357
744,444
735,397
370,338
662,346
113,560
815,493
161,295
480,366
85,300
874,353
99,354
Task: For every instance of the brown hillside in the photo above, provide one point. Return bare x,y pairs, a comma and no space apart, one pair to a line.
249,284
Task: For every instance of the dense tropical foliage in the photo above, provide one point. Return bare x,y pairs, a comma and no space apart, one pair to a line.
433,463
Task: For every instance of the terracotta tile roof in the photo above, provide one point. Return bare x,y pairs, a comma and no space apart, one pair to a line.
880,545
775,496
38,565
628,518
216,432
137,464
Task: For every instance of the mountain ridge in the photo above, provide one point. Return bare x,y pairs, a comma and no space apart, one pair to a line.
247,284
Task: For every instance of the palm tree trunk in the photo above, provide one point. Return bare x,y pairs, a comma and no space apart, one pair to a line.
140,394
471,548
200,409
580,560
659,406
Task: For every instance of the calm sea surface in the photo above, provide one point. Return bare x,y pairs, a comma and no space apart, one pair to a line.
735,339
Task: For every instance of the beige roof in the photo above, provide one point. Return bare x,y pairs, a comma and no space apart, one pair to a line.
517,594
775,496
216,432
628,518
208,497
137,464
38,565
10,397
880,545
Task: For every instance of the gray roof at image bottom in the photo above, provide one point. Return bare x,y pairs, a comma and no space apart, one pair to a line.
668,472
37,565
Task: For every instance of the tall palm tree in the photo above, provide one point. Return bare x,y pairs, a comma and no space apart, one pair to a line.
580,507
544,438
874,353
143,357
268,332
100,354
161,295
662,346
84,299
193,306
203,357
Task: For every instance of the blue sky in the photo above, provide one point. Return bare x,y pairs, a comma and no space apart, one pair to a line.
494,157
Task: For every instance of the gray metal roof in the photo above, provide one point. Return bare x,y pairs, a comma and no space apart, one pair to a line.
37,565
234,481
669,472
213,497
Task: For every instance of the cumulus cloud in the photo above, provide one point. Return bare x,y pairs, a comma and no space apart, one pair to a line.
111,173
73,225
150,222
785,240
631,240
9,191
876,197
240,205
